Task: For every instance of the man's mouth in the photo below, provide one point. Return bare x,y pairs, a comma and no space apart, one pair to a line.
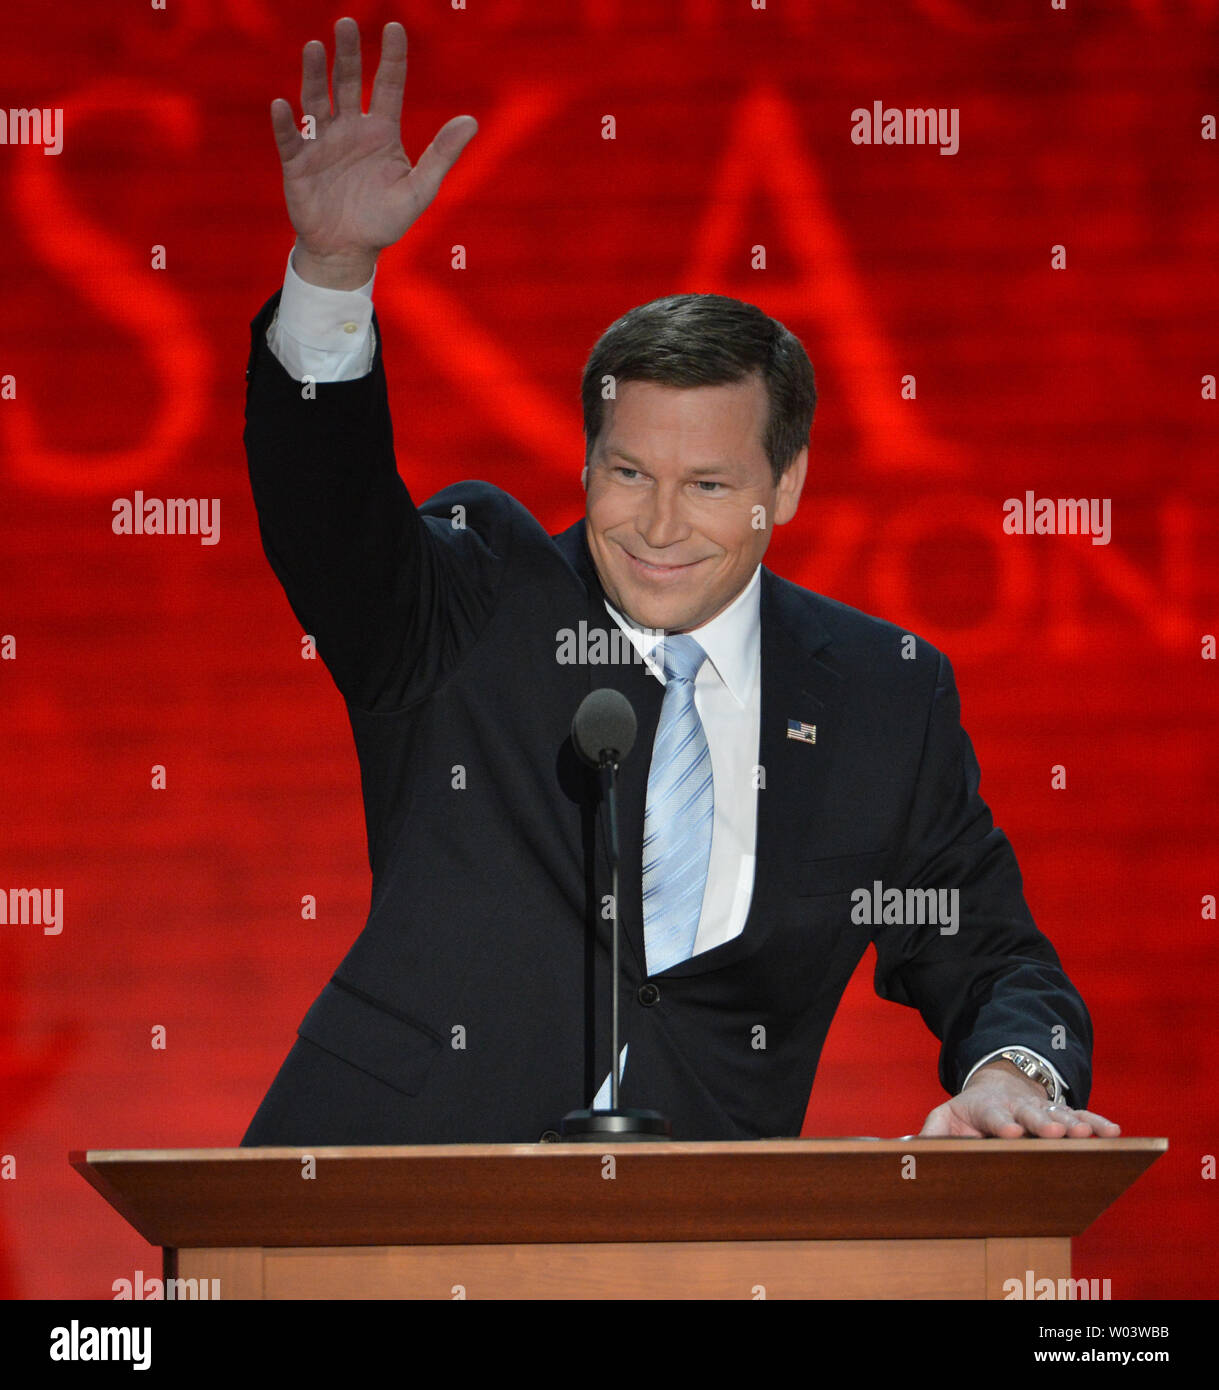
656,571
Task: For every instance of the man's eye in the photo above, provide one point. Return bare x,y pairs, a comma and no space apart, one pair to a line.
703,483
623,471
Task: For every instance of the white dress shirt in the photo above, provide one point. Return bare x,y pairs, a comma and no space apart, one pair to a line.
727,695
328,336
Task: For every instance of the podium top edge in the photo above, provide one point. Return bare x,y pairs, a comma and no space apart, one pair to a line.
80,1158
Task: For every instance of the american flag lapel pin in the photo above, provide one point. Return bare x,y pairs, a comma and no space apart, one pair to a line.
802,733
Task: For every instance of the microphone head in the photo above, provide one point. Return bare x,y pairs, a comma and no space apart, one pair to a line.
603,729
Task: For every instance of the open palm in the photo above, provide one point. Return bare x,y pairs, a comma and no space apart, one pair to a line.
350,189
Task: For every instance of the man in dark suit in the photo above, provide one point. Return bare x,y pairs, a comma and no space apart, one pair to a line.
800,787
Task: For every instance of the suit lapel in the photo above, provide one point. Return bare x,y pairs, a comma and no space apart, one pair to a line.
797,684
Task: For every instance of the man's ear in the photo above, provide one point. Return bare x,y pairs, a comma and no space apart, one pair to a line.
584,477
791,485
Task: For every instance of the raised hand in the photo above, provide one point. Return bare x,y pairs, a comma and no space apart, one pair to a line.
351,191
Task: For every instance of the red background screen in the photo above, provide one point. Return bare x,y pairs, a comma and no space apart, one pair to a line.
1083,129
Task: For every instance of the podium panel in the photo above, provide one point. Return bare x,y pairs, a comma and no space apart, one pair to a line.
784,1218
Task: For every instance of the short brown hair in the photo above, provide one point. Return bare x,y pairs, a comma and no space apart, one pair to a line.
707,340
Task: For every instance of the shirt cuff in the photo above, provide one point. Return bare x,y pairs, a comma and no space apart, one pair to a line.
1036,1056
324,333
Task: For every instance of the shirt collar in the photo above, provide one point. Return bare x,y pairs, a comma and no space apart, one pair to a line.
731,639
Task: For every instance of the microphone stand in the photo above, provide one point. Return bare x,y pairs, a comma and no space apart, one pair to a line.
590,1126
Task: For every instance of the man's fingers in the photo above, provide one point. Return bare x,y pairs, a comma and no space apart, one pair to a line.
440,156
1042,1121
1105,1128
967,1116
1081,1124
283,124
347,92
315,89
1062,1122
390,81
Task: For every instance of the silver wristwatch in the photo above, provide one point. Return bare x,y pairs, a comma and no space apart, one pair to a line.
1033,1069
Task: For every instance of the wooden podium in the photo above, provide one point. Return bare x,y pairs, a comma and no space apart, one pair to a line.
782,1218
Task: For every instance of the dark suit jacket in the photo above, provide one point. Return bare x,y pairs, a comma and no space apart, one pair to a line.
473,1005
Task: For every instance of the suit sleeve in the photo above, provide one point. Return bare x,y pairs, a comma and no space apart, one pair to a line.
997,979
391,596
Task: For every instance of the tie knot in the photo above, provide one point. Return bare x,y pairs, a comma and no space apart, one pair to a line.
682,657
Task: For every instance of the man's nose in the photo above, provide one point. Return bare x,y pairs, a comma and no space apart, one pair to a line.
660,523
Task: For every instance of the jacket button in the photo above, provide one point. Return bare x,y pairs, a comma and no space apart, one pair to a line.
548,1136
649,994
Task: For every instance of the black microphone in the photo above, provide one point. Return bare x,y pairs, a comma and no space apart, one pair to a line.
603,732
603,729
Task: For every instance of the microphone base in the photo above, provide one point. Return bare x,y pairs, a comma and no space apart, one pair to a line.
614,1126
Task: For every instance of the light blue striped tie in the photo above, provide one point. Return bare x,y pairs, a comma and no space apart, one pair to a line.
678,816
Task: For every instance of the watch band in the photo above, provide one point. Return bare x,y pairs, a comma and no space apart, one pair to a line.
1033,1069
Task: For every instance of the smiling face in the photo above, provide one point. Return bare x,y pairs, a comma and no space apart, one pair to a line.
681,499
